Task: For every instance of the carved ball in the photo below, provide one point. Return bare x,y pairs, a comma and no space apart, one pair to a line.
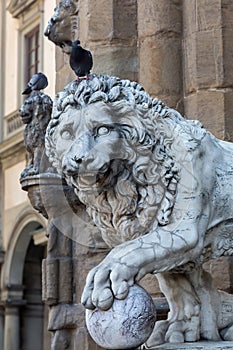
127,324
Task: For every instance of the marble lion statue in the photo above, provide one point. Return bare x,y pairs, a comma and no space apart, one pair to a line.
160,189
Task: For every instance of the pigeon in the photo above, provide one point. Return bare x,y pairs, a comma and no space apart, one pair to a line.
37,82
80,60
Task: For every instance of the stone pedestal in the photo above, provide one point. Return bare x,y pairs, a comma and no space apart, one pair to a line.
224,345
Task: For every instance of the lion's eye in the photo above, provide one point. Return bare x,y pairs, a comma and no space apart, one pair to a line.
66,134
102,130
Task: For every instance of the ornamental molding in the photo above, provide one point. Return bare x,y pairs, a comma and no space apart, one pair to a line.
17,7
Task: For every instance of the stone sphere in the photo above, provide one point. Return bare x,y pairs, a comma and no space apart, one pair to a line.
127,324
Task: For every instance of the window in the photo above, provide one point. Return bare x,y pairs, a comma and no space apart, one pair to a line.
32,53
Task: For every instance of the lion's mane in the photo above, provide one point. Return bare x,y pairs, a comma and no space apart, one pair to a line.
143,195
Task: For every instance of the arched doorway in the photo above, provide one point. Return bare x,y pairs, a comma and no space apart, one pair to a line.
25,316
33,315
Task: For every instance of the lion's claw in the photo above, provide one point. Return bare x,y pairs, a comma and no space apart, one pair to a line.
109,280
122,291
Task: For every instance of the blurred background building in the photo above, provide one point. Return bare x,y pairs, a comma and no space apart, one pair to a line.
181,51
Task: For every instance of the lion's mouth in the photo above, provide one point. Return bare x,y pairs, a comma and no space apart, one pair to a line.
89,181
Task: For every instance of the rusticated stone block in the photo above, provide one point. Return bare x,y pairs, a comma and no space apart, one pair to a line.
203,60
227,14
228,110
150,283
209,60
83,341
208,14
214,109
208,108
125,19
159,17
61,59
160,68
199,15
64,76
221,270
108,20
189,17
95,20
121,61
227,56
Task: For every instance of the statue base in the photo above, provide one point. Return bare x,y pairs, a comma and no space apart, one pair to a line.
202,345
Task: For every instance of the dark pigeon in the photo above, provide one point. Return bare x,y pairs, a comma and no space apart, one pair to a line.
37,82
80,60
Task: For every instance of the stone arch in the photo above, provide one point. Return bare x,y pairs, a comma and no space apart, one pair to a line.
16,252
16,307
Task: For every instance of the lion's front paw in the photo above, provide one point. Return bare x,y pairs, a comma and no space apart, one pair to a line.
110,279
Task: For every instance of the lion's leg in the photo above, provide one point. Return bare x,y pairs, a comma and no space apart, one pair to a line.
183,323
37,159
29,159
209,297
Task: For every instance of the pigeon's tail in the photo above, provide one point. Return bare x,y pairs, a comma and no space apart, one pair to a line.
27,90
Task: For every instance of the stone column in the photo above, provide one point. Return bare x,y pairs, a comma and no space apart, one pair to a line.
12,324
208,64
109,29
160,49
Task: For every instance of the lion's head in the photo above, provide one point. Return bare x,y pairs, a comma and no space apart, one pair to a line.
62,26
109,139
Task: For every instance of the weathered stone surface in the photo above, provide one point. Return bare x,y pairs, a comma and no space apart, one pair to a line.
122,60
228,108
159,35
161,17
201,15
222,271
91,28
64,75
225,345
208,107
119,21
214,109
203,60
227,56
125,20
127,324
160,68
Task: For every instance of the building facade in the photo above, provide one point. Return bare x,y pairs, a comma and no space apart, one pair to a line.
181,51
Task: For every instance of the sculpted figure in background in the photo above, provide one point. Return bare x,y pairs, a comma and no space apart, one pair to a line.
159,188
62,26
35,113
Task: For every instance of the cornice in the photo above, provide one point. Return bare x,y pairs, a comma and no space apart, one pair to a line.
16,7
12,146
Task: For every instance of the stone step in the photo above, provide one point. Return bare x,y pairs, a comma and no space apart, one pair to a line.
202,345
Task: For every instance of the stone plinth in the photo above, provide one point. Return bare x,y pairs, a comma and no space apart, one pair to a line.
223,345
